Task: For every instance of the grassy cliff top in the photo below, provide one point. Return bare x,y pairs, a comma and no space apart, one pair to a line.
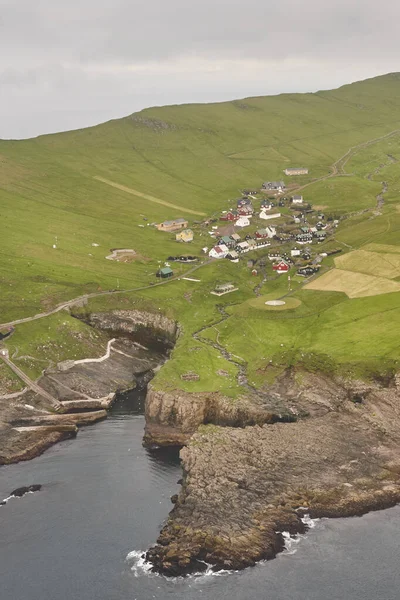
92,190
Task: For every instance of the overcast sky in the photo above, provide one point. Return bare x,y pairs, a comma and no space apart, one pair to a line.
72,63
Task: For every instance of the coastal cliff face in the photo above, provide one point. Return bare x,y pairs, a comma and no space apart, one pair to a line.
173,417
27,426
242,486
150,329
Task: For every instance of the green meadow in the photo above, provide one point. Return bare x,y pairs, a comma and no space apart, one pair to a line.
178,161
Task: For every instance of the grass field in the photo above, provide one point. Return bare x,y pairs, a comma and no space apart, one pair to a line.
371,263
355,285
95,189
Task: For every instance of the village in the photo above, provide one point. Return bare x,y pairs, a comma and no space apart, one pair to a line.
270,217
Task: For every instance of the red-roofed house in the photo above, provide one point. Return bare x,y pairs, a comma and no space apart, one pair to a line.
281,267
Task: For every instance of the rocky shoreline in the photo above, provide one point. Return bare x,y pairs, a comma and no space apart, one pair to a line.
242,486
85,390
252,467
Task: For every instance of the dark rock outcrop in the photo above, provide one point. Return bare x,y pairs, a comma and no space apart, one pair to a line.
242,486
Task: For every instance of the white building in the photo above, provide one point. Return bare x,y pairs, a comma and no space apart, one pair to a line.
267,217
243,247
296,171
242,222
218,251
297,199
295,252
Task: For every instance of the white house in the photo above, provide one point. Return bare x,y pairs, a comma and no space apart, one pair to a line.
219,251
297,199
295,252
266,216
242,247
242,222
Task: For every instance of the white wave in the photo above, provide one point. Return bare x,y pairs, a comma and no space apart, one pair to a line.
291,542
308,521
7,499
139,566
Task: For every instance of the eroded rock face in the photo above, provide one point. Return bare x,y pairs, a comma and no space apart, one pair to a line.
242,486
149,328
173,417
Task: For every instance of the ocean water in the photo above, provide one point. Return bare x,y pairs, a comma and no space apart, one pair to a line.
103,502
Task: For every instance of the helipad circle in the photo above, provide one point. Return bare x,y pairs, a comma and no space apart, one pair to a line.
275,302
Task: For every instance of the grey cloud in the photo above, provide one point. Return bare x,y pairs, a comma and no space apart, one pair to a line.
112,57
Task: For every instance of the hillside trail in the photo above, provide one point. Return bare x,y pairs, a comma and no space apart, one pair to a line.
336,167
339,165
239,362
129,190
85,297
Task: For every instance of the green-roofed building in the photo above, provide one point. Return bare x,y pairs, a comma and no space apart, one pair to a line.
165,272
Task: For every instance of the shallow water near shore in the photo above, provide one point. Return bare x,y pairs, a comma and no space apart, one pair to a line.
105,497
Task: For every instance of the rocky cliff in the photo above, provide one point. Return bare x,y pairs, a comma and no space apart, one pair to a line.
151,329
173,417
243,486
27,426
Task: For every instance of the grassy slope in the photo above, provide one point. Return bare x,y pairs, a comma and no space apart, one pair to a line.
198,156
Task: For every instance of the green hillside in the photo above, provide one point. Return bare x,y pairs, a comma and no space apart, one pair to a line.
197,158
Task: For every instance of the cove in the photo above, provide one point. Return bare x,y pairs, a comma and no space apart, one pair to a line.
104,496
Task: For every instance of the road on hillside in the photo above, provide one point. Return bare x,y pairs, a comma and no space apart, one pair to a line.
337,170
129,190
97,294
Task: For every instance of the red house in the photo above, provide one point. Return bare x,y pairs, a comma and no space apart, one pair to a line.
231,215
281,267
245,210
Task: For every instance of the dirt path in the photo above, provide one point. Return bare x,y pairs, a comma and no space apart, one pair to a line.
129,190
339,165
85,297
33,386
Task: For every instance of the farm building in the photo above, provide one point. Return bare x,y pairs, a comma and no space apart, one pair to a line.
243,202
219,251
231,215
274,256
243,222
245,209
165,273
224,288
268,216
184,236
267,232
304,238
307,271
297,199
296,171
252,244
242,247
233,256
227,241
266,204
172,225
275,186
281,267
